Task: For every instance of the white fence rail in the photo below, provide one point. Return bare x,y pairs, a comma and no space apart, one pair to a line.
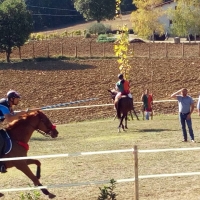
135,179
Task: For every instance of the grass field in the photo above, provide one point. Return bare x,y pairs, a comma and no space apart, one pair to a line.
161,133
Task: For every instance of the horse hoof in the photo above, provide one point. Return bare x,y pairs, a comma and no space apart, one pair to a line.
51,196
1,195
126,127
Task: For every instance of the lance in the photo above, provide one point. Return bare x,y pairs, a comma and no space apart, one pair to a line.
59,105
66,104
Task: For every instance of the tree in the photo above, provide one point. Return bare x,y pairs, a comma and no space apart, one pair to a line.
127,5
52,13
15,25
146,18
96,9
121,46
185,18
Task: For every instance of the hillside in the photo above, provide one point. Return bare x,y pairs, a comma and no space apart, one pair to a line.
113,23
52,82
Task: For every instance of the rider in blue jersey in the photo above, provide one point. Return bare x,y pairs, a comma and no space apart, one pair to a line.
7,114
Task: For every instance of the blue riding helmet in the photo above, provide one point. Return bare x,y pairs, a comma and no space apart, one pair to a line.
12,94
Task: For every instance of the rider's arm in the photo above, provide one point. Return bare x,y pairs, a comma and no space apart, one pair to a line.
10,117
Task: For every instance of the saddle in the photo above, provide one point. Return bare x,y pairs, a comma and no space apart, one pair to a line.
5,142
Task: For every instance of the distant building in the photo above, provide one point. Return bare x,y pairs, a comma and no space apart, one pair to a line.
165,19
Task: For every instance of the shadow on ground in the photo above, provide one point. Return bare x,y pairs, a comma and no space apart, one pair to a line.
155,130
46,65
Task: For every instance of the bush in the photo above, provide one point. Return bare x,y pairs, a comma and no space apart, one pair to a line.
78,32
87,35
105,38
98,28
107,192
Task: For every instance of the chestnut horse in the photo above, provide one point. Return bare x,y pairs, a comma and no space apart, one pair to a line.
124,106
19,132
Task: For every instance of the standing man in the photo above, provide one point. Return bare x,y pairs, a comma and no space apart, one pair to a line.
186,107
147,106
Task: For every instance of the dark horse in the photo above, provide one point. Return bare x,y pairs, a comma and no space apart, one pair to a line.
124,106
19,132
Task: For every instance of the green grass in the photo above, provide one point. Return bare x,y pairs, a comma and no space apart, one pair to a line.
160,133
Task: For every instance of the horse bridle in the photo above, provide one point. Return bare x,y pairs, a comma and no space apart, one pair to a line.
48,133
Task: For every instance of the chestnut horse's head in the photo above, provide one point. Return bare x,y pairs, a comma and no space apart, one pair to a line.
45,126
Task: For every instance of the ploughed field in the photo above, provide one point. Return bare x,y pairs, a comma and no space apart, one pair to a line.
59,81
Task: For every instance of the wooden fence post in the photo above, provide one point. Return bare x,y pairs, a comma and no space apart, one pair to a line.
183,49
90,49
149,51
199,48
48,50
136,173
166,50
20,55
62,49
103,49
33,50
75,51
133,49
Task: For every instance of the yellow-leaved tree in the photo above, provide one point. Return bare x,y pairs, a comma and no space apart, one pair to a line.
185,18
146,18
121,47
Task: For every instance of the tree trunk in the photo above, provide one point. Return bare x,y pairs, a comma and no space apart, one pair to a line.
153,37
189,38
8,52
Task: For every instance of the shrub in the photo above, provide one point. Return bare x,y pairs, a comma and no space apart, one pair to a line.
32,36
84,32
31,195
107,192
97,28
87,35
78,32
105,38
38,37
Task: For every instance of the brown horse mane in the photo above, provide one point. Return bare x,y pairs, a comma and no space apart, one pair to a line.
22,119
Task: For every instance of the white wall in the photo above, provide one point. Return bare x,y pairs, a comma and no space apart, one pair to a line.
164,19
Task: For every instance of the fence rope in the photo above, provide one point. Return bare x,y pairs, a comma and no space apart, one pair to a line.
100,152
101,182
102,105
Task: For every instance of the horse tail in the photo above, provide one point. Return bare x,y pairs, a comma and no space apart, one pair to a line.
119,110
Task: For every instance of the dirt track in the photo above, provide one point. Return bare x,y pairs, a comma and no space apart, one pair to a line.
52,82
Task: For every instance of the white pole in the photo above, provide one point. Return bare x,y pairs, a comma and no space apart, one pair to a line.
136,173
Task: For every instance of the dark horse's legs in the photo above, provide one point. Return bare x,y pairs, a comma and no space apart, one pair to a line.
124,116
23,166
